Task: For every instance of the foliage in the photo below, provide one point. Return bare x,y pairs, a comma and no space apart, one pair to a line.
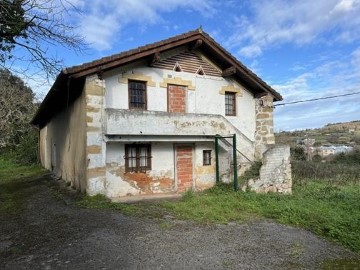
18,138
15,184
348,158
298,153
252,173
32,26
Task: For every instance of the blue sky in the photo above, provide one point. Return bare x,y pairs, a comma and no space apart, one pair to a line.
303,48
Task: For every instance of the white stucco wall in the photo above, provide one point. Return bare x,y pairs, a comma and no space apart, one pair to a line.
205,99
204,176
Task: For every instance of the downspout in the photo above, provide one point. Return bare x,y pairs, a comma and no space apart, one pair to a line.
217,159
236,185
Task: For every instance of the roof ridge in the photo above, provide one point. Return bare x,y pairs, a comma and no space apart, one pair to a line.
71,69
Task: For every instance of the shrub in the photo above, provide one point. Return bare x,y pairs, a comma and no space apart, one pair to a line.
297,153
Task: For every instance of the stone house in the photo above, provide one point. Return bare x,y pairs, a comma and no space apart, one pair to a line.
144,121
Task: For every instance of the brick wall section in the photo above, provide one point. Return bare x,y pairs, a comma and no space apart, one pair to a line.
264,133
184,168
176,98
275,173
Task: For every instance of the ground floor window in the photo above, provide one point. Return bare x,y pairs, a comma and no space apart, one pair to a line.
207,157
137,157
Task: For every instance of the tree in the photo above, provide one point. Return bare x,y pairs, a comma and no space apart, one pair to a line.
17,108
31,27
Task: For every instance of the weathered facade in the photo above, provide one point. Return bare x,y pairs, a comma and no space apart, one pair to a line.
144,121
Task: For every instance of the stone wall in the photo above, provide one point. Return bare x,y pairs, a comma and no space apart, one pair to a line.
275,172
95,151
264,133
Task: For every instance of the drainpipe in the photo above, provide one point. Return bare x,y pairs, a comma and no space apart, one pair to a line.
217,159
236,185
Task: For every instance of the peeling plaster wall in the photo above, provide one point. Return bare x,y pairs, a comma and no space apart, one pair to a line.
205,94
63,144
160,179
152,123
204,176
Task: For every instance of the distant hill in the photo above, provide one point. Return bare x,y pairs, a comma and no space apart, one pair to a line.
347,133
355,125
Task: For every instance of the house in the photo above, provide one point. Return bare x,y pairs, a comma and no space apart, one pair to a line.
145,121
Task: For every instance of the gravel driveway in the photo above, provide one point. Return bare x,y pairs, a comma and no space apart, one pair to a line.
54,233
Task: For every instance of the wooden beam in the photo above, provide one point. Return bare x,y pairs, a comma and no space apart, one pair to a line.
196,45
132,57
229,71
155,59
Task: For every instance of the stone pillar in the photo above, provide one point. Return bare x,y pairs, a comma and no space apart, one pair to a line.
95,150
264,134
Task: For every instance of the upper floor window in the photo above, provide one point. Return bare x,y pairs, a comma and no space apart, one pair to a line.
230,103
137,95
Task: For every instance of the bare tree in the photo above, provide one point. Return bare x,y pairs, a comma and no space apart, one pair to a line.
16,109
28,30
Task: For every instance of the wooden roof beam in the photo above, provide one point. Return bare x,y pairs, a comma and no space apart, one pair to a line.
229,71
196,45
155,59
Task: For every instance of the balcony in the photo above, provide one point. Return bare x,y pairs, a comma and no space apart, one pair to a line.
163,123
154,123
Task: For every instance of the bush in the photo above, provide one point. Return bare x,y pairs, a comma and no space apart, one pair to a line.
328,172
297,153
25,152
348,158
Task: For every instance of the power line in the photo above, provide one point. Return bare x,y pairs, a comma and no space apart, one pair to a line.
314,99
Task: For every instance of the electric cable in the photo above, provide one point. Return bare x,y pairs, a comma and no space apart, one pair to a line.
315,99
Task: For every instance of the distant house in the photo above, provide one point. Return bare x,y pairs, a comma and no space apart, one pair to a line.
145,121
327,150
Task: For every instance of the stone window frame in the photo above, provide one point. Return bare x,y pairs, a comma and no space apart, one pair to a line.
130,89
133,152
206,157
230,111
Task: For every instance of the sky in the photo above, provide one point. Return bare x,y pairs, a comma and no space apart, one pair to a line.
304,49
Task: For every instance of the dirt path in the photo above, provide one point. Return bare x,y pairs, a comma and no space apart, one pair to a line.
54,233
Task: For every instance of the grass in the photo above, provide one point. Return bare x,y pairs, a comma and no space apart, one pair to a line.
15,184
325,201
330,211
101,202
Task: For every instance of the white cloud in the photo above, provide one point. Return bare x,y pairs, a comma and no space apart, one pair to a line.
101,21
332,78
275,22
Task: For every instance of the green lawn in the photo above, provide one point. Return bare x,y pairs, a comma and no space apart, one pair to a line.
15,184
330,211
